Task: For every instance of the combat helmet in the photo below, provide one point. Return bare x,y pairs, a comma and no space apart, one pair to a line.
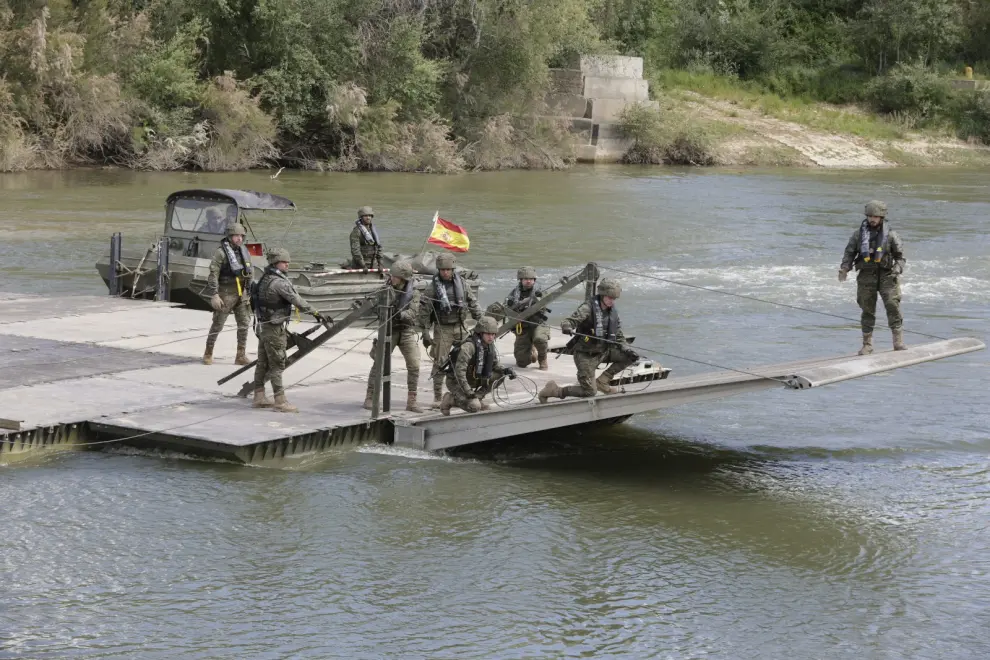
276,255
366,210
402,269
486,325
876,208
526,273
445,261
236,228
609,288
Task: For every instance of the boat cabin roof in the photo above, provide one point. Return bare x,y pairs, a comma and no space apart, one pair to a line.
243,199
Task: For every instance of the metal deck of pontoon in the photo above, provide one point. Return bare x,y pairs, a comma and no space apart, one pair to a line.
85,369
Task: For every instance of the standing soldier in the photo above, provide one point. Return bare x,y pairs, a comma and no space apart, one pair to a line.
598,339
229,288
876,251
275,297
404,321
365,244
533,334
449,301
473,369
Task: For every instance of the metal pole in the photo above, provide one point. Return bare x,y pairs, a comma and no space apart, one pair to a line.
162,279
590,281
114,276
381,395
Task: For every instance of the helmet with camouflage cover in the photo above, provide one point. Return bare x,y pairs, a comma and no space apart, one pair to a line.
876,208
366,210
486,325
526,273
445,261
276,255
402,269
497,311
609,288
236,228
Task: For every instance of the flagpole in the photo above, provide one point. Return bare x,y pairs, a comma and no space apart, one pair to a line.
432,227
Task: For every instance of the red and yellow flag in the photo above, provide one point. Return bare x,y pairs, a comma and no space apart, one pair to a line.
448,235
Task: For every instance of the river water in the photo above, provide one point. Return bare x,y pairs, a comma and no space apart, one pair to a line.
845,522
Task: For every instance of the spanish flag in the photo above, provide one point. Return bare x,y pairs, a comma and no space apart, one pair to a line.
448,235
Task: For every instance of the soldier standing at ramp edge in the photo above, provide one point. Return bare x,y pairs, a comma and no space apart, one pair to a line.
403,333
274,297
598,339
229,286
449,300
876,251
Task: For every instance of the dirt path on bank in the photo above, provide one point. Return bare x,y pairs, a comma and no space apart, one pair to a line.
822,149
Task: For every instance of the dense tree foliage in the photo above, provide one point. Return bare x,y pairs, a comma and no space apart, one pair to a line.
423,84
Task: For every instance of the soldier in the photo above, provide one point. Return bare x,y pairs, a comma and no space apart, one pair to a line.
449,300
275,297
473,369
876,251
403,332
598,339
365,244
533,334
229,288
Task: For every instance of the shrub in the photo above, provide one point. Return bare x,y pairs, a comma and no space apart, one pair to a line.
673,141
913,91
971,113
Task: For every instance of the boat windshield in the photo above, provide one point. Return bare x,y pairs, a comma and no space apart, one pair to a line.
204,216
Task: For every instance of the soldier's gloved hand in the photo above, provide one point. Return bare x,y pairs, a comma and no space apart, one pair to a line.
843,274
898,269
216,303
319,317
427,342
567,330
510,373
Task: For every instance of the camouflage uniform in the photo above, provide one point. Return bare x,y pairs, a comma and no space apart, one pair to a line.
877,277
448,325
404,321
467,385
363,251
223,283
590,350
532,336
276,296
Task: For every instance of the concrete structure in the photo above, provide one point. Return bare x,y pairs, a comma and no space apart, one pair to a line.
970,85
93,371
597,88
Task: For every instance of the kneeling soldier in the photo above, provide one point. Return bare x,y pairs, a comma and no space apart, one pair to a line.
533,334
403,332
229,287
275,297
598,339
473,369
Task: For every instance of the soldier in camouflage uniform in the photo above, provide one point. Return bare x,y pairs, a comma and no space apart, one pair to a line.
365,243
876,251
598,339
404,320
275,298
474,368
229,288
532,335
449,301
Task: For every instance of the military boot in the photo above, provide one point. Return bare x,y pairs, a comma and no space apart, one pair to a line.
208,355
282,405
534,355
411,404
241,357
867,344
543,364
899,344
604,384
551,389
482,405
437,399
446,403
260,400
